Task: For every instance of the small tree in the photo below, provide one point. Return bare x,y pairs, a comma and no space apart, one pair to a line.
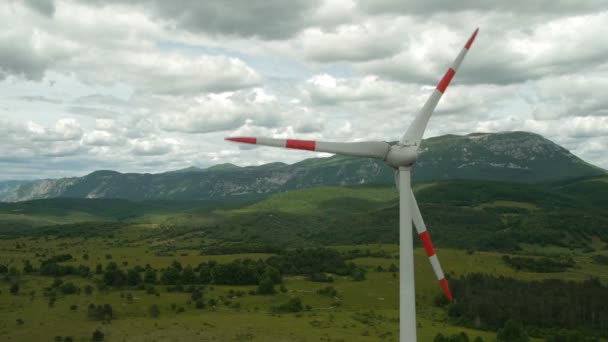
513,331
197,294
14,289
292,305
154,311
88,289
98,335
27,267
69,288
150,276
266,286
328,291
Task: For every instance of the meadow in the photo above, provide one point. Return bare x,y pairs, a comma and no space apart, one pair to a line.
141,236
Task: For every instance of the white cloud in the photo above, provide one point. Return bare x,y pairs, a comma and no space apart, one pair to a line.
64,130
124,51
325,89
154,146
353,42
160,84
102,138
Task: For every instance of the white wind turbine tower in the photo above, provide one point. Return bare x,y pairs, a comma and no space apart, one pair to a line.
402,158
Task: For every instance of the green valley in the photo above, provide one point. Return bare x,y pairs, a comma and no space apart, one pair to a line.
311,264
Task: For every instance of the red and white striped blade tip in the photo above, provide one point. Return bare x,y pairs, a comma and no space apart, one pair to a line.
470,42
446,289
246,140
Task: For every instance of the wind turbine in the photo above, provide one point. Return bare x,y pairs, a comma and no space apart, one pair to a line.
402,158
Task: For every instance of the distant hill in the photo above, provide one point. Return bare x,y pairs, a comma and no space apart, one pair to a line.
509,156
6,187
464,214
461,214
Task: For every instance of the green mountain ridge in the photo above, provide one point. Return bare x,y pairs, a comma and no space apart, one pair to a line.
508,156
478,215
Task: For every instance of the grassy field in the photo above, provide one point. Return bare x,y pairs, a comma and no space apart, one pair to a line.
157,234
362,311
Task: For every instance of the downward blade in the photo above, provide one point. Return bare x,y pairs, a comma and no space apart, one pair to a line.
428,247
370,149
414,133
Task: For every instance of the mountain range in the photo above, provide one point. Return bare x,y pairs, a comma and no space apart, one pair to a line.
508,156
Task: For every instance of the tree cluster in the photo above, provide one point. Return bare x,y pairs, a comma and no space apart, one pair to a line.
100,312
540,265
485,301
264,273
315,261
292,305
462,337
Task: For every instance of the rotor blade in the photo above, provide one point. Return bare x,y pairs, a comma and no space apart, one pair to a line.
428,247
414,133
371,149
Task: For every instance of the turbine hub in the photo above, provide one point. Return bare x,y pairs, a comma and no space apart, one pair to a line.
399,156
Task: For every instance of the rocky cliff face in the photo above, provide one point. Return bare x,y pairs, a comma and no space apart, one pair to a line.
510,156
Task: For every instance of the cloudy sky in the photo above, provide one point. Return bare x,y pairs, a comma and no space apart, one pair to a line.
155,85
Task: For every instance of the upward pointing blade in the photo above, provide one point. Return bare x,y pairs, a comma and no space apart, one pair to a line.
370,149
428,247
414,133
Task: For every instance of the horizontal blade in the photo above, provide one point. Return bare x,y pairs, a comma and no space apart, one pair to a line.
428,247
370,149
414,133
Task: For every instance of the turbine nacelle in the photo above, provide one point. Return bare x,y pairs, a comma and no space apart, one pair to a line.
401,156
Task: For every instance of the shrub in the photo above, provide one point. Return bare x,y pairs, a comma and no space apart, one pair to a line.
98,335
292,305
14,289
266,286
154,311
88,289
328,291
512,332
68,288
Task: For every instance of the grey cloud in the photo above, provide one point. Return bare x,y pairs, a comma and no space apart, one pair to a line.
328,90
570,95
94,112
100,99
103,138
271,19
152,147
502,56
309,126
126,52
333,53
169,73
353,43
64,130
38,98
45,7
61,149
430,7
214,113
19,57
